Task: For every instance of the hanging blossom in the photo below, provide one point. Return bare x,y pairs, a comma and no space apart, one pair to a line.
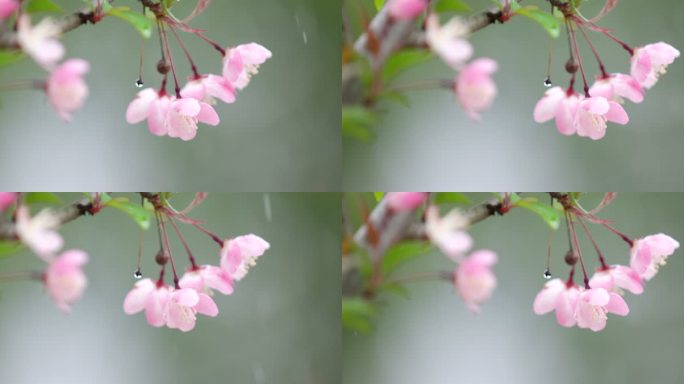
651,61
447,41
406,9
242,62
65,87
240,253
474,280
474,87
447,232
208,87
7,8
40,41
615,278
648,254
560,297
206,278
64,278
405,201
617,86
38,232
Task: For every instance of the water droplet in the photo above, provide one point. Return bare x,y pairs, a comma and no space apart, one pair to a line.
139,83
547,274
137,274
547,82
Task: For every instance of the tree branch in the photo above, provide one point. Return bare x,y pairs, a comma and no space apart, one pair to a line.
8,39
8,230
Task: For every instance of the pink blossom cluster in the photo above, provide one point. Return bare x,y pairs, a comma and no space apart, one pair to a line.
588,307
63,277
177,307
65,88
473,278
588,115
473,86
8,7
406,9
178,115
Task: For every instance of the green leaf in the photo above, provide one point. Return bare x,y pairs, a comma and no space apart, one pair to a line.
395,96
397,289
549,214
33,6
357,314
357,122
378,195
379,4
402,253
41,197
451,6
139,21
140,215
451,197
8,248
404,60
549,22
9,57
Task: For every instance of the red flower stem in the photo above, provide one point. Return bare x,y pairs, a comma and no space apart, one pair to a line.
217,239
168,53
160,281
577,248
185,50
214,44
604,74
622,43
579,59
185,244
168,249
622,235
593,242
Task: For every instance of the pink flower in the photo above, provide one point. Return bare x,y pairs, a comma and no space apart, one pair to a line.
184,114
447,41
560,297
474,278
560,105
151,297
651,252
242,62
475,88
616,86
241,253
617,277
406,9
448,233
7,199
40,41
184,303
594,113
151,106
7,7
64,279
207,87
206,278
405,201
593,306
65,87
38,233
650,61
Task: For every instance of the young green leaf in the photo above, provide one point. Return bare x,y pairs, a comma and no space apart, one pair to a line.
404,60
8,248
139,214
378,195
549,22
9,57
140,22
549,214
379,4
451,6
451,197
34,6
41,197
357,122
402,253
357,314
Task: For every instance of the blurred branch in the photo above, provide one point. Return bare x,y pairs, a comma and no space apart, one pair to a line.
8,230
8,38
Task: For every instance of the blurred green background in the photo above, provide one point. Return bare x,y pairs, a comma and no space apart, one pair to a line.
432,145
282,324
433,338
282,134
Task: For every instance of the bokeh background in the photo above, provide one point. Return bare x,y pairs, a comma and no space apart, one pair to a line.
432,145
282,134
432,338
281,325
